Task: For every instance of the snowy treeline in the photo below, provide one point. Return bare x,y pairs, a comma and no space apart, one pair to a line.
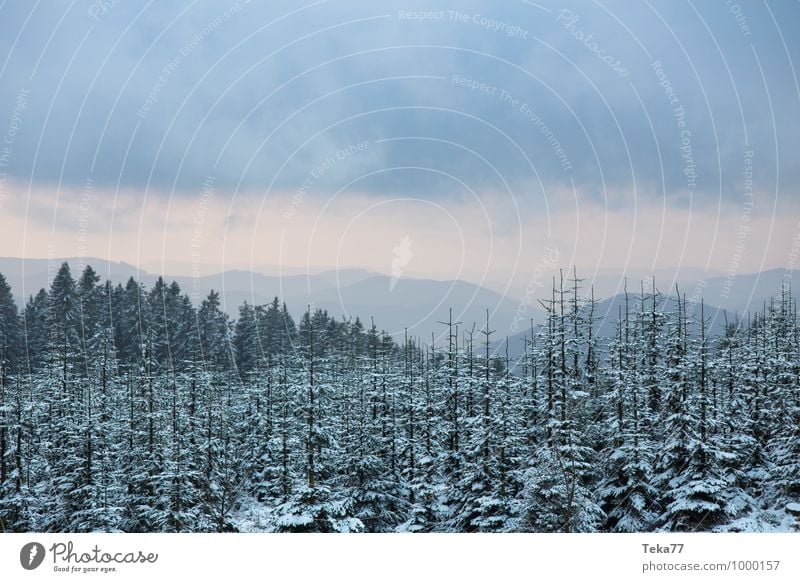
129,409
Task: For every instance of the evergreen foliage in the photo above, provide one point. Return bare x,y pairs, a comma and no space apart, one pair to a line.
128,409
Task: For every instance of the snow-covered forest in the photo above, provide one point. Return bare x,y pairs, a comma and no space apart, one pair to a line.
125,408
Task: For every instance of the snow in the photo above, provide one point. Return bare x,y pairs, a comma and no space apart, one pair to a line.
766,521
253,517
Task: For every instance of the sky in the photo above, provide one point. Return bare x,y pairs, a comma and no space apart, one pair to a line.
492,137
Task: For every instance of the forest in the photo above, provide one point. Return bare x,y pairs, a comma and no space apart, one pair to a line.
131,409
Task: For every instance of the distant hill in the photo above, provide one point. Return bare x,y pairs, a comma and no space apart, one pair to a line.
747,292
416,304
27,276
607,315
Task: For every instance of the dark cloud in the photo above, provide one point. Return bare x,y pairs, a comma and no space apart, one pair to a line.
519,95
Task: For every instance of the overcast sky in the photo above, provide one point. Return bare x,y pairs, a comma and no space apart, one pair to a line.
217,134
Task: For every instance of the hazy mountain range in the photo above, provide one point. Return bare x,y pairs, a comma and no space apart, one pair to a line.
415,303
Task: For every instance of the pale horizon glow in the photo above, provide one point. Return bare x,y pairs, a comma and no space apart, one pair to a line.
464,238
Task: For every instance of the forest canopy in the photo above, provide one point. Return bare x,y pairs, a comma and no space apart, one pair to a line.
130,409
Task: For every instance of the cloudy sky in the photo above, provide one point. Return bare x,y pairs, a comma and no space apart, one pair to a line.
212,135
